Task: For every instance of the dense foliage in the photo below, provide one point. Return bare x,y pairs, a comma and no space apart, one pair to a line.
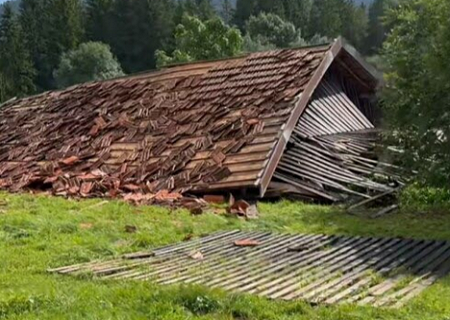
417,98
39,38
142,33
89,62
16,67
270,29
197,40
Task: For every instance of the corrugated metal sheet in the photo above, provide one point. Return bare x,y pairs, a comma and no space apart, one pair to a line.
315,268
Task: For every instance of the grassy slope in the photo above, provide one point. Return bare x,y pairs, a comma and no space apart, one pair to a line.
39,232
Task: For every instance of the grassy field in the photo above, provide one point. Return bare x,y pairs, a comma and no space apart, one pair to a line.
38,232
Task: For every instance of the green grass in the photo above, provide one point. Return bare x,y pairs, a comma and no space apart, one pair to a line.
38,232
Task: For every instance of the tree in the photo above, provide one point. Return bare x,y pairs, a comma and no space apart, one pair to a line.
298,12
325,18
270,6
197,40
295,11
244,9
417,97
202,9
34,23
99,24
257,45
139,29
355,23
271,29
51,28
65,30
378,29
16,68
91,61
227,11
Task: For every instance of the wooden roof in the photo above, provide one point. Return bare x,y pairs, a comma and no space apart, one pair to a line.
202,126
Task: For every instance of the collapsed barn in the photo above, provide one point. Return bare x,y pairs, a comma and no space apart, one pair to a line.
297,121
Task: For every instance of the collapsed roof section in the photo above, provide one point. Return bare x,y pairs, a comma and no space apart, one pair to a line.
331,153
204,127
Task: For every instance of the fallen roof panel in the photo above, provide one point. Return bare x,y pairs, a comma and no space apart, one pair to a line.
324,269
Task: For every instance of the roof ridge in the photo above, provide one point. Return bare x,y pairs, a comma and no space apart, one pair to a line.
247,54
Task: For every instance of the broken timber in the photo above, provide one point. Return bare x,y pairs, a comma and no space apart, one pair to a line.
323,269
300,117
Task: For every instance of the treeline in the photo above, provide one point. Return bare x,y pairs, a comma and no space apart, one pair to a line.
41,35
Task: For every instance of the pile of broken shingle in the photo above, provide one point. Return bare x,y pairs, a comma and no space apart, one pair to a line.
151,138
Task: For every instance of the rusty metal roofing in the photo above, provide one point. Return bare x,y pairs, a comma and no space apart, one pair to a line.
316,268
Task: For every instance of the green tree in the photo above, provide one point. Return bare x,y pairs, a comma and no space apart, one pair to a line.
65,30
140,28
202,9
378,28
355,23
51,27
91,61
16,67
298,12
326,18
270,29
295,11
99,24
257,45
244,9
227,11
270,6
197,40
417,98
34,21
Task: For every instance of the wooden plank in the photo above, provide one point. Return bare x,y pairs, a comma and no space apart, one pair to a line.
315,268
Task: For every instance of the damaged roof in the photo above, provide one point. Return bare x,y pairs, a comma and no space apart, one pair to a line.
203,126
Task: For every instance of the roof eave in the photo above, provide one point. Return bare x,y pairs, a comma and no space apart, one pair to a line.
376,75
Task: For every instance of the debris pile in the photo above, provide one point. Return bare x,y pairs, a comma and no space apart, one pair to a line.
153,137
332,153
293,120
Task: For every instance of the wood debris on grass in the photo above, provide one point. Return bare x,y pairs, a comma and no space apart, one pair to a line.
242,208
196,255
384,203
246,243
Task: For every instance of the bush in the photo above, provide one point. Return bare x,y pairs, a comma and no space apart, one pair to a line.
419,198
198,300
91,61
